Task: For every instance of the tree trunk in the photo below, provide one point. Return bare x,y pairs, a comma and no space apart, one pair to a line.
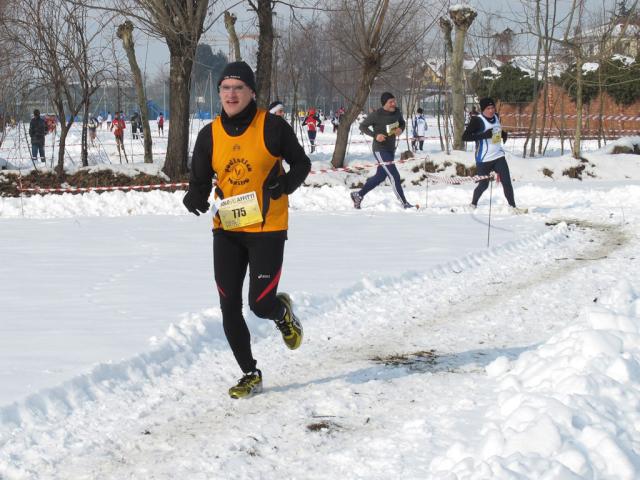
545,97
369,72
83,141
462,19
562,120
439,124
274,72
64,131
265,52
230,25
125,33
457,89
601,110
534,111
447,27
179,93
446,118
578,133
58,101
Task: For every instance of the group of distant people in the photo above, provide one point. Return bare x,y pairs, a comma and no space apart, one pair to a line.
484,128
116,124
311,119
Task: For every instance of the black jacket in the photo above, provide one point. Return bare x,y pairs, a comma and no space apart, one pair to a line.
376,122
475,130
37,130
279,139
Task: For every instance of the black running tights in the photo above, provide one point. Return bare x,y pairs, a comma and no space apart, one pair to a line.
232,253
501,168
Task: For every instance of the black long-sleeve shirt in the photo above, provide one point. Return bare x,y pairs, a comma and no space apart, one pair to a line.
279,138
475,130
377,122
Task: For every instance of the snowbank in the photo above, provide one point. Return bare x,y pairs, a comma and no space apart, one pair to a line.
568,409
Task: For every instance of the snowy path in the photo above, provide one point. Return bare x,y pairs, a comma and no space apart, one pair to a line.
367,395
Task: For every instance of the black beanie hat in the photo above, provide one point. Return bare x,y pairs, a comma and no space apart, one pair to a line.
238,71
486,102
384,98
275,106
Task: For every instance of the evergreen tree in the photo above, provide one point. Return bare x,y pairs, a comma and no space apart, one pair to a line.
589,83
207,62
510,85
622,80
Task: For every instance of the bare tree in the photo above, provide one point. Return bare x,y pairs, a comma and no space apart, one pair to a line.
503,43
541,19
462,17
230,25
264,10
125,33
61,61
181,24
577,43
377,35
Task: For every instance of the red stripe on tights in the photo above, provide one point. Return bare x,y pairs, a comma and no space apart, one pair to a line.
271,286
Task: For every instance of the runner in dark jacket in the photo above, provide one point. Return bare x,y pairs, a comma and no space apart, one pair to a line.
385,125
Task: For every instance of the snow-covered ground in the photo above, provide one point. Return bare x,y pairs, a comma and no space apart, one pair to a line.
427,353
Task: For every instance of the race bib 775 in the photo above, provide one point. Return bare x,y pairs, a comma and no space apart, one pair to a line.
239,211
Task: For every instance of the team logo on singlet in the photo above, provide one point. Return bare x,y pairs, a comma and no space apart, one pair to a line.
238,170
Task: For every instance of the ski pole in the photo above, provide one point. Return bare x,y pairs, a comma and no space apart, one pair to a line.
490,198
426,178
21,192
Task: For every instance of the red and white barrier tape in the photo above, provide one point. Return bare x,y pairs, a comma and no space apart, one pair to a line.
432,177
103,189
626,118
555,129
366,166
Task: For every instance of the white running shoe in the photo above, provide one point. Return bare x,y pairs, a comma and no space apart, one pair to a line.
518,211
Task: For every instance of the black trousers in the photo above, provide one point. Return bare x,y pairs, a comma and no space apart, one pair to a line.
232,254
382,172
501,168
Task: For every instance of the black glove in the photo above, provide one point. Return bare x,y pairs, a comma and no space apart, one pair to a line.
504,135
277,186
195,202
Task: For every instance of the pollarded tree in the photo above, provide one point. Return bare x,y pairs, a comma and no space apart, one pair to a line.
125,33
462,17
230,24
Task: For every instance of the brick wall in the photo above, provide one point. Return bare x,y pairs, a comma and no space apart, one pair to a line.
561,115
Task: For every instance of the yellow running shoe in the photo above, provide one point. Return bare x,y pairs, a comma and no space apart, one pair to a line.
289,325
248,385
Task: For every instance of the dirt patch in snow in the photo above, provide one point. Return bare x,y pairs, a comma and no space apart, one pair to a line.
10,182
